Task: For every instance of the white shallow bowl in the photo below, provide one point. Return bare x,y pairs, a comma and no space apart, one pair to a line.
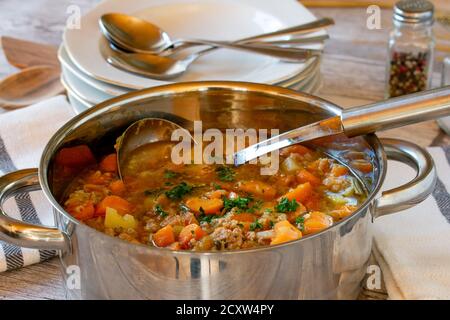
207,19
93,91
80,101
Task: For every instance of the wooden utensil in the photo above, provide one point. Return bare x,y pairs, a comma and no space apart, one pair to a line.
23,54
29,86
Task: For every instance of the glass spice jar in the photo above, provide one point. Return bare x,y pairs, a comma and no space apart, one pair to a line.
411,48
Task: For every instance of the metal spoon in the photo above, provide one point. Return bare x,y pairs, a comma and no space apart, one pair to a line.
30,86
145,131
164,68
357,121
137,35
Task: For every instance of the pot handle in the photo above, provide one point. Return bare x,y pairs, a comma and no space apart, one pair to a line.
21,233
416,190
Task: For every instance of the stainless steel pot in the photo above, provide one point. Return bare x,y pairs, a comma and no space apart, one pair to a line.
326,265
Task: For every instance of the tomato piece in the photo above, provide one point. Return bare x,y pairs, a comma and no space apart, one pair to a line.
109,163
78,156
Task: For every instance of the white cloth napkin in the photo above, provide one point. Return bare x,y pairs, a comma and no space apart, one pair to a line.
413,246
23,136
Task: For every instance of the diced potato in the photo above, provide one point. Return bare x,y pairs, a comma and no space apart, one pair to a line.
114,220
290,165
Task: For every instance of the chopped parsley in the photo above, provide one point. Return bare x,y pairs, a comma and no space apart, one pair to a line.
240,203
168,174
178,191
286,206
255,225
216,186
207,217
225,173
300,222
159,210
256,206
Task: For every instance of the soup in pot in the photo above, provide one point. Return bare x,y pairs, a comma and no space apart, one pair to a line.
207,206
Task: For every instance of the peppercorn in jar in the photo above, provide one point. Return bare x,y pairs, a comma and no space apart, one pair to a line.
411,48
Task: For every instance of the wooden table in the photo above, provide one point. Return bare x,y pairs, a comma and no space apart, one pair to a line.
353,73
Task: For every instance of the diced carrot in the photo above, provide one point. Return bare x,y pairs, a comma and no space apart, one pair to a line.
217,194
362,165
296,148
78,156
259,189
192,231
338,170
208,206
164,236
82,212
306,176
117,187
301,193
109,163
244,217
121,205
316,222
284,232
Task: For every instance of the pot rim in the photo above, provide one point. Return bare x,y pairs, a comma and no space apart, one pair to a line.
169,89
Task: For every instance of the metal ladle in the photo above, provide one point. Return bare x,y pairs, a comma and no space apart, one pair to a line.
145,131
388,114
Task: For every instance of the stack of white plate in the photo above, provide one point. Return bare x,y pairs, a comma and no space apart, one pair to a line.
89,79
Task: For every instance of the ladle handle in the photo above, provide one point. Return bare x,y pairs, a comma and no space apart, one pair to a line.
397,112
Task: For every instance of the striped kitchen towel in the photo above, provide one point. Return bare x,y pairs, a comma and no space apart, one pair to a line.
413,246
23,135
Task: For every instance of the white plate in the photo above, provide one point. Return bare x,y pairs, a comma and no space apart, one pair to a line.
78,105
207,19
68,67
81,102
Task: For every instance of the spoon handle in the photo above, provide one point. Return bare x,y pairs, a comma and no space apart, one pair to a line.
397,112
286,54
300,29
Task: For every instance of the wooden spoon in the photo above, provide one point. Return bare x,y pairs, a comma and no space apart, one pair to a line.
30,86
23,54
